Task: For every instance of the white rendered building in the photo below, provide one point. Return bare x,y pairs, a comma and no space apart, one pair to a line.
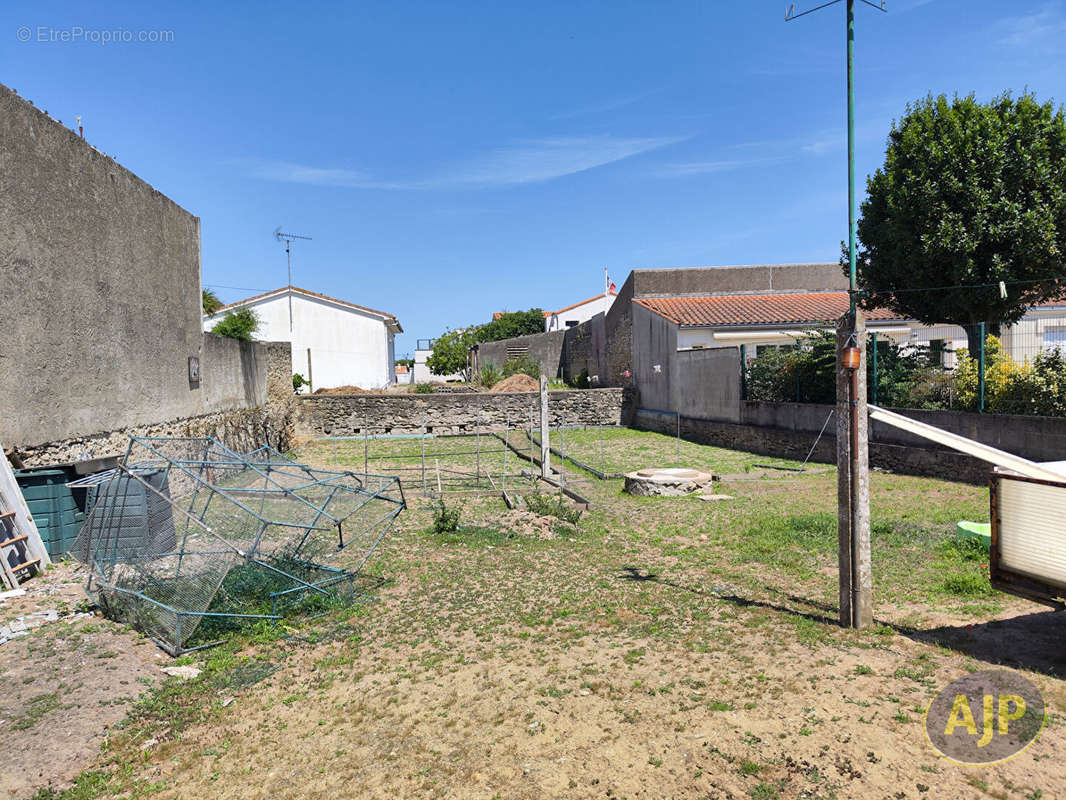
334,342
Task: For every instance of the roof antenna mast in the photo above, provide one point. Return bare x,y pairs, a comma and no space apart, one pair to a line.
289,238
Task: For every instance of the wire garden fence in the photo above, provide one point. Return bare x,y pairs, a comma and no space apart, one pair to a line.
1015,369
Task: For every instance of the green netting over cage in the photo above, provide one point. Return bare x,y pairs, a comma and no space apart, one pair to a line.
187,538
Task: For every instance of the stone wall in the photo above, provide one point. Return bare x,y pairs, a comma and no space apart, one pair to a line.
352,415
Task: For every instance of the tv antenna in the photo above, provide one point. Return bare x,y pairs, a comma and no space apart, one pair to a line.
289,238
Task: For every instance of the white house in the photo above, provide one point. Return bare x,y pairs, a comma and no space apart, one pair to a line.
575,314
334,342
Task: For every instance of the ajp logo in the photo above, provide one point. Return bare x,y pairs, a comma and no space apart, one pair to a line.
985,717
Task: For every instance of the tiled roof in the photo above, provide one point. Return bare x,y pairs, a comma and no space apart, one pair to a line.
298,290
755,309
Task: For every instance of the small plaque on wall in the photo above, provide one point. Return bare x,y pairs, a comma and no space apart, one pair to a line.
194,369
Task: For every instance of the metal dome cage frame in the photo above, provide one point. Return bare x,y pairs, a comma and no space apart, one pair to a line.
188,539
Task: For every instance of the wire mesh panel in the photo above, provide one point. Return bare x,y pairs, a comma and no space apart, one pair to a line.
434,463
187,537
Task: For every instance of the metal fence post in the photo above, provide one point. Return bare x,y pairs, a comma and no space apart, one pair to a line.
743,372
799,349
873,354
981,369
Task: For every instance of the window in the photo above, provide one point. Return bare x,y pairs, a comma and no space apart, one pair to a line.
572,323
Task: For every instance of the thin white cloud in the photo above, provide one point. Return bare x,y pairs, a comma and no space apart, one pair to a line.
288,172
1040,27
541,160
685,169
525,162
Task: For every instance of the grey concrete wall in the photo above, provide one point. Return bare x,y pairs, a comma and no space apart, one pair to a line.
731,280
352,415
233,374
101,294
709,384
1034,438
547,348
251,381
584,348
655,344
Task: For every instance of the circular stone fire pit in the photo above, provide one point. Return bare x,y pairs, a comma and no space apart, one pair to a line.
666,482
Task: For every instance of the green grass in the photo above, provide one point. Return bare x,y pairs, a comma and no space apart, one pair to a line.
644,574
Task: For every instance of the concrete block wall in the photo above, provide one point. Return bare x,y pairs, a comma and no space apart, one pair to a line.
547,348
353,415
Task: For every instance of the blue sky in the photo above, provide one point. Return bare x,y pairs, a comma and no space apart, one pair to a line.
453,159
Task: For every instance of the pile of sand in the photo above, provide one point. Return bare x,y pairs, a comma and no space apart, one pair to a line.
343,390
517,383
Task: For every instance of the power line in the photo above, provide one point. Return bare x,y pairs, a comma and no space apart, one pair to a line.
993,285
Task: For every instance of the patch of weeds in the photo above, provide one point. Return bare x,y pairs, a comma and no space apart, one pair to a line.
552,505
863,669
764,791
36,708
966,584
748,767
445,519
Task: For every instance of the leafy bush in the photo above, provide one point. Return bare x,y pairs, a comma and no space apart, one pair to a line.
582,380
552,505
237,325
424,388
445,519
521,365
298,382
451,352
910,376
489,375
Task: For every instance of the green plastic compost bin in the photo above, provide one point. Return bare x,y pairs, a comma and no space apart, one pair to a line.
54,507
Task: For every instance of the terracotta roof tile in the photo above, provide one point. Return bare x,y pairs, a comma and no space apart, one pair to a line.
755,309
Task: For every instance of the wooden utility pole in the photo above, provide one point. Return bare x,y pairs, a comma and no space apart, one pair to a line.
853,475
545,448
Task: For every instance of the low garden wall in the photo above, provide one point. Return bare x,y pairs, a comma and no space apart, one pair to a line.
788,430
783,442
353,415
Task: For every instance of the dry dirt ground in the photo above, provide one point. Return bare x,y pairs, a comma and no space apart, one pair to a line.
662,648
65,683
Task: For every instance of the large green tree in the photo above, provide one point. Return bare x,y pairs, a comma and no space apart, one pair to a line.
970,194
450,352
510,324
